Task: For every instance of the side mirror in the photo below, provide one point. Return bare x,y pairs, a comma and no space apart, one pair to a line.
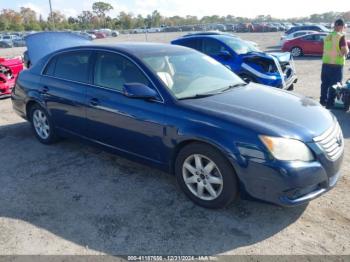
140,91
225,54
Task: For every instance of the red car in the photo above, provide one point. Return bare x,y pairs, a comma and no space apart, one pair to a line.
311,44
9,70
100,35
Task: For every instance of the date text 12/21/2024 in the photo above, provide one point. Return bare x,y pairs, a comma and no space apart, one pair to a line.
171,258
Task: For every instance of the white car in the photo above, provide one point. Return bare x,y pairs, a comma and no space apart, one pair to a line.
294,35
153,30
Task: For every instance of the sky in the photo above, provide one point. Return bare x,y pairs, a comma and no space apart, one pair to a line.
247,8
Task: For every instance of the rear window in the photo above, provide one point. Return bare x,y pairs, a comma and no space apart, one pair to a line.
72,66
299,34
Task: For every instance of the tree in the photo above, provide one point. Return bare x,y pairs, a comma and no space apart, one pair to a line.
101,8
4,24
155,19
12,20
56,17
28,15
72,20
85,19
139,22
125,20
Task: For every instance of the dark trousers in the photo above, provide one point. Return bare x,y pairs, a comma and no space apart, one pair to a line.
330,75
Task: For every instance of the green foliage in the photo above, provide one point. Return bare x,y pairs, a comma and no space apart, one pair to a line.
27,19
101,8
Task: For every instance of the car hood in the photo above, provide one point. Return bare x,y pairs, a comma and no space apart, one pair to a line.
41,44
267,111
282,57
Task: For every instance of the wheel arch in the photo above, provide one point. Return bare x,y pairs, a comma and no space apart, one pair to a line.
189,141
29,104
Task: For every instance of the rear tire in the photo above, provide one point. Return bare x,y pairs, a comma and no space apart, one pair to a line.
206,176
42,125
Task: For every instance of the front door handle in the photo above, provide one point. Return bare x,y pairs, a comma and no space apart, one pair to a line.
94,102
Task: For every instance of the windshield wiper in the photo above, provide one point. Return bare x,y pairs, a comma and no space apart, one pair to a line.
232,86
220,91
197,96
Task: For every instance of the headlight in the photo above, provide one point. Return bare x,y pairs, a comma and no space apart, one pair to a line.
287,149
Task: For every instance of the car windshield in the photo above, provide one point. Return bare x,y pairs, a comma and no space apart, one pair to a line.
191,74
240,47
323,28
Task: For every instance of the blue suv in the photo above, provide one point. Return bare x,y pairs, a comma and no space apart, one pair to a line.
244,59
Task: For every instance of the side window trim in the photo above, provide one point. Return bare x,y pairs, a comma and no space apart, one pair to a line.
53,60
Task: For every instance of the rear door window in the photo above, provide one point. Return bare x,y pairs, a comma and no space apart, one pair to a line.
309,38
319,38
73,66
299,34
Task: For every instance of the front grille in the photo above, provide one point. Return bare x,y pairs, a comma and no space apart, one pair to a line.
331,142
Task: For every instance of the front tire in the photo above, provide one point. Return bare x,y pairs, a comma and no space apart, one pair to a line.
206,176
42,125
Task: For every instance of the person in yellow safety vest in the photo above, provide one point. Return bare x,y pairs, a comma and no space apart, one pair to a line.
335,50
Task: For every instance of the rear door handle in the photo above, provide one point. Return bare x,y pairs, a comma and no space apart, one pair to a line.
94,102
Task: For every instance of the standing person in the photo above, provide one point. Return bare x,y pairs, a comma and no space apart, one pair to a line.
335,50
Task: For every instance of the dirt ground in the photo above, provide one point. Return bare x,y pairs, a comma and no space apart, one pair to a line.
70,198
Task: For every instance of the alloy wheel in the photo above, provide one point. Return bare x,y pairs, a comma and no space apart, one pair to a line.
202,177
41,124
296,51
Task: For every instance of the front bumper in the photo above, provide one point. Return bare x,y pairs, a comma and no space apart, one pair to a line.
289,82
288,183
317,191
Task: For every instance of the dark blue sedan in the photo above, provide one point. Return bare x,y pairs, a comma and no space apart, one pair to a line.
180,110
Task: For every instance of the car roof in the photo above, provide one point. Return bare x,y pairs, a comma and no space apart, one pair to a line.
206,33
141,47
56,42
138,49
304,31
302,36
219,37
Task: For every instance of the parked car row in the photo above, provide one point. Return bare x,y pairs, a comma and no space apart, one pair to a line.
7,41
18,39
229,27
98,33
